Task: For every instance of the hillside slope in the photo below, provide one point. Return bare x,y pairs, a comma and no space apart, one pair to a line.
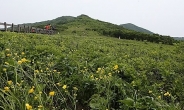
73,72
136,28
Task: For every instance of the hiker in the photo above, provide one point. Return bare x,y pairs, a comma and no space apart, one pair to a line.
48,27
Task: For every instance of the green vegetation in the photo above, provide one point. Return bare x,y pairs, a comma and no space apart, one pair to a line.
84,25
136,28
76,71
179,38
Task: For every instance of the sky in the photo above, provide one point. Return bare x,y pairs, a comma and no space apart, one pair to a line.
165,17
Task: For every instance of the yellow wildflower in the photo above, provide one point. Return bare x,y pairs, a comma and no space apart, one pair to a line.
40,106
6,89
7,49
75,88
22,53
64,86
99,69
18,84
31,91
92,76
19,62
51,93
74,95
159,97
36,71
4,69
24,60
150,91
35,98
8,55
55,70
58,84
6,63
115,67
167,94
110,74
28,107
9,82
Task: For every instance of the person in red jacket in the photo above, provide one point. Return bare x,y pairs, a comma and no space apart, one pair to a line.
48,27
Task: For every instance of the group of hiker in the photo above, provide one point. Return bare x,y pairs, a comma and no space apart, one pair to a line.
47,27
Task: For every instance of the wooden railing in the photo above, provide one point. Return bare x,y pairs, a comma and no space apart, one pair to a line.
24,29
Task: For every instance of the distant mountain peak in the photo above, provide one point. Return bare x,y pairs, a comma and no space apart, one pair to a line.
83,15
131,26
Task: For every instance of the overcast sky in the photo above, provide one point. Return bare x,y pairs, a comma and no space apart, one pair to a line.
164,17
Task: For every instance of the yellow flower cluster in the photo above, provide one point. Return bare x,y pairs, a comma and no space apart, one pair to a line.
9,82
22,53
28,107
31,90
7,49
150,91
6,89
100,70
115,67
8,55
167,94
22,61
52,93
64,86
36,71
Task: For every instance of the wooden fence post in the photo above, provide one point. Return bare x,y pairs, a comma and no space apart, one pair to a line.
12,27
28,29
18,30
24,29
5,26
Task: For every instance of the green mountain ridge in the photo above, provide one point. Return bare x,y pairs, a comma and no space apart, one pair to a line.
84,25
136,28
66,19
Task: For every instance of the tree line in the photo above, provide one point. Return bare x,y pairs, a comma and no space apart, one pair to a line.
133,35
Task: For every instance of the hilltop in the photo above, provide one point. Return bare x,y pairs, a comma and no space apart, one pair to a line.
85,25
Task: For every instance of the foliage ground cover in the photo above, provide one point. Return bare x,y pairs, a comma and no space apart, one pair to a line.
70,72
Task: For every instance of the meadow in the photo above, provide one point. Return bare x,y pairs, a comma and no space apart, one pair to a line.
70,72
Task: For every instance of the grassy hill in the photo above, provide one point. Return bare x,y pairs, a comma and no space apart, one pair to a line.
136,28
85,25
75,72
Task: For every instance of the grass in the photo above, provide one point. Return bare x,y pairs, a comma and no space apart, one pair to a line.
74,72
